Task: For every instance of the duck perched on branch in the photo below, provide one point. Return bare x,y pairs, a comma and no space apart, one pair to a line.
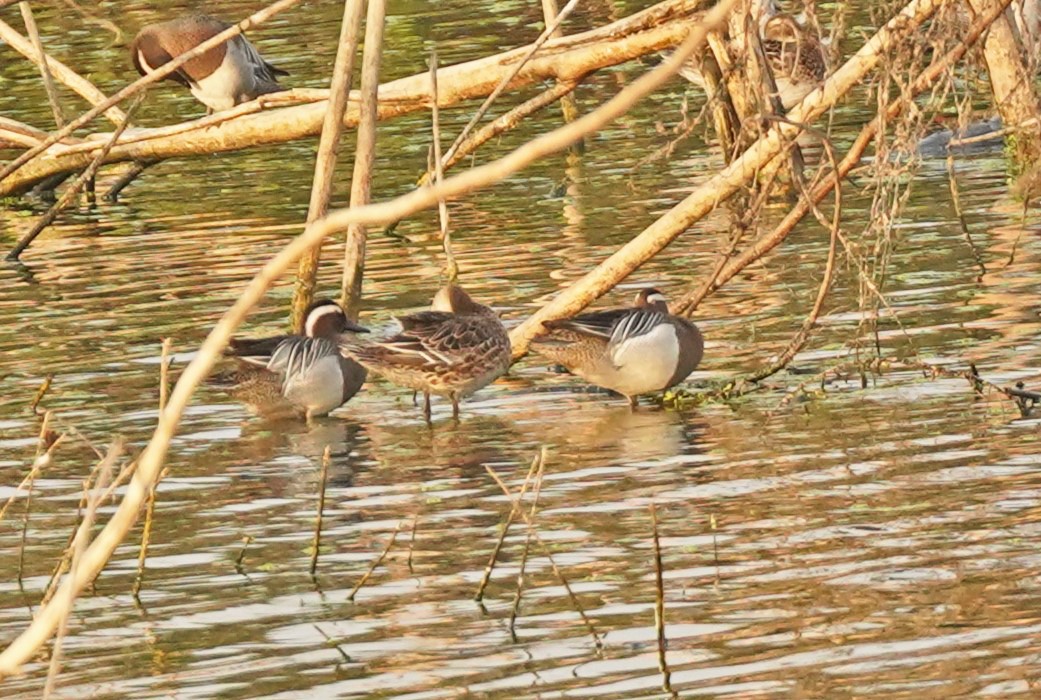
639,350
224,76
456,348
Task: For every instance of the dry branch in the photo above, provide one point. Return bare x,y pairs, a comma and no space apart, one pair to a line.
727,182
502,124
152,459
567,59
143,82
68,77
766,243
328,153
364,156
41,61
1010,79
70,193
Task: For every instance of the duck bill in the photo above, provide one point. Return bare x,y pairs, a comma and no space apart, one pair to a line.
354,327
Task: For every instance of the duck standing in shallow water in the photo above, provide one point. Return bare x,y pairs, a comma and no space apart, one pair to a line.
299,374
453,350
220,78
633,351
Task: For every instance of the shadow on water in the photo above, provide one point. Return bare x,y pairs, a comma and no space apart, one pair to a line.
868,542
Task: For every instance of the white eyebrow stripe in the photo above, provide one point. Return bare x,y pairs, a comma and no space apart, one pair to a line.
316,315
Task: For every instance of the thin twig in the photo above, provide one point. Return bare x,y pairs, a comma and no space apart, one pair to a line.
952,182
246,541
502,124
146,531
488,101
536,464
141,83
41,57
316,542
451,267
597,642
40,393
527,546
659,606
72,190
132,173
375,563
79,545
41,462
412,542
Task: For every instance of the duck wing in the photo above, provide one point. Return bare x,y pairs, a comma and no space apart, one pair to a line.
262,70
599,324
429,341
254,350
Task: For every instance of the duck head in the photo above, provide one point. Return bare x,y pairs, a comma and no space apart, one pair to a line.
325,318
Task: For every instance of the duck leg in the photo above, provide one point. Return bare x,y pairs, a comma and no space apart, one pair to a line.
426,405
633,402
455,406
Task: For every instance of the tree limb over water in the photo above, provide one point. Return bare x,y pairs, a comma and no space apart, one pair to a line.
153,458
567,59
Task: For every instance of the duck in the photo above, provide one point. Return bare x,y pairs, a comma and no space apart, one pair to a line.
796,57
633,351
453,350
298,374
795,54
224,76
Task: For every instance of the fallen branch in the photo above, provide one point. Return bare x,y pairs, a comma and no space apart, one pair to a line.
68,77
143,82
727,182
70,192
567,59
152,459
766,243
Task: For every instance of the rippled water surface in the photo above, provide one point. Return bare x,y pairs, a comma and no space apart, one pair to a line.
870,541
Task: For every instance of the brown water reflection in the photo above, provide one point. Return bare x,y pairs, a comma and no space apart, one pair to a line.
877,542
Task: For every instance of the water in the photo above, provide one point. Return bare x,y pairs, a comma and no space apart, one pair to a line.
877,541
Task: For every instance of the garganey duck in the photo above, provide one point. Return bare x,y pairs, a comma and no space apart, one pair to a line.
796,56
299,374
456,348
633,351
220,78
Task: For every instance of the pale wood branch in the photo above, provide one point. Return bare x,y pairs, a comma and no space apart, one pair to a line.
41,61
567,59
328,153
65,75
727,182
152,459
364,157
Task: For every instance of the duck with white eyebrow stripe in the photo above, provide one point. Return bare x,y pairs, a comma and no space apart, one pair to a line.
297,374
634,351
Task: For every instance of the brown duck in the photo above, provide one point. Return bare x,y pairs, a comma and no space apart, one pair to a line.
220,78
633,351
456,348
